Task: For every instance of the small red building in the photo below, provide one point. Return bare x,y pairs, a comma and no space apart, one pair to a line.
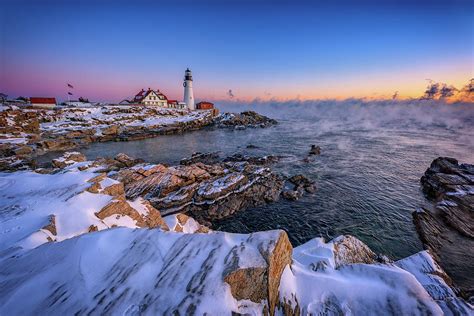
43,102
204,105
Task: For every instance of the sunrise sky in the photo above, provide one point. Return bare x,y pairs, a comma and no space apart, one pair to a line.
110,49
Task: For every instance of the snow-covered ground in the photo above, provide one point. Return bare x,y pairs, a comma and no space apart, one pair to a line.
102,117
66,268
65,128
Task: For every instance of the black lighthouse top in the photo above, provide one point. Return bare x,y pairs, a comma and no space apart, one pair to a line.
187,75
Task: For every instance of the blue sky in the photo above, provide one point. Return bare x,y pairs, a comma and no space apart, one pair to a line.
284,50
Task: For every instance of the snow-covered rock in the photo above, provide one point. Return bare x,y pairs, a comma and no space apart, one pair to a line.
436,282
128,272
79,202
326,279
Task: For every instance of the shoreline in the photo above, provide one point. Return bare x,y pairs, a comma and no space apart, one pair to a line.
259,272
28,133
139,203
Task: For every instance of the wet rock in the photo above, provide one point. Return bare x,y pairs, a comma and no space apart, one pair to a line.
254,188
243,120
162,183
315,150
57,144
300,181
265,160
292,195
447,229
211,189
205,158
252,146
300,184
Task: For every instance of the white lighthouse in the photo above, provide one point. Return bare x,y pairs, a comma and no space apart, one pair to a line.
188,90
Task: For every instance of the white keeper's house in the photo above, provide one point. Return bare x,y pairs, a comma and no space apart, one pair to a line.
151,97
154,97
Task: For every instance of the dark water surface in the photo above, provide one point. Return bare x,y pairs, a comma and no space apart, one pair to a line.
373,155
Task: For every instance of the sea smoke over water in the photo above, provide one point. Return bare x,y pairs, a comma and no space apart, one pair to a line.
376,116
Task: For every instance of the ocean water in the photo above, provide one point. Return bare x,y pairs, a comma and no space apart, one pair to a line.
372,157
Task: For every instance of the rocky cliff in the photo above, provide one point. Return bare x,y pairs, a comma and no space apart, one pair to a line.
447,229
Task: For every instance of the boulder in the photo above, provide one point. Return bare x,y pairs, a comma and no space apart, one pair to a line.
315,150
350,250
300,184
126,160
147,217
257,283
300,181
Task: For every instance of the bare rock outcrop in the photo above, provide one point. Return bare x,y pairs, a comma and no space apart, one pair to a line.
350,250
205,192
243,120
144,214
447,229
299,185
265,279
205,158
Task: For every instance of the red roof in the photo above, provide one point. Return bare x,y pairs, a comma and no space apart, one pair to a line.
143,94
139,96
172,101
39,100
158,92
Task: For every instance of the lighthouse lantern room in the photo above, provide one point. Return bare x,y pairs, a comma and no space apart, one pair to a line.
188,90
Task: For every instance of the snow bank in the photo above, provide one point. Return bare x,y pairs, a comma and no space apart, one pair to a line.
314,285
124,271
28,202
